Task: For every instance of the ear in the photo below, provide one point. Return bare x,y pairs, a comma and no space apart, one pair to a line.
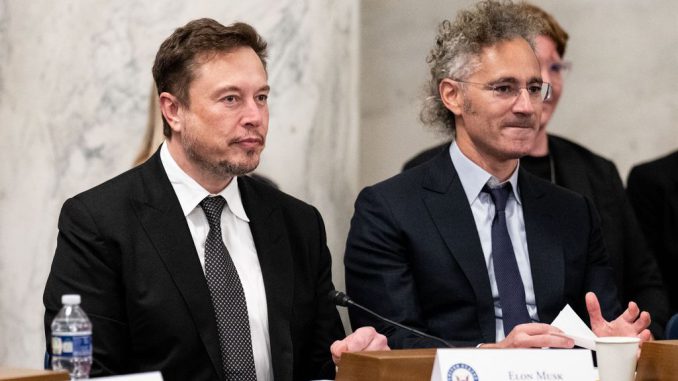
451,95
171,110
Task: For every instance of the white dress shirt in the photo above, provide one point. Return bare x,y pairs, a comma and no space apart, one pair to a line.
473,179
237,237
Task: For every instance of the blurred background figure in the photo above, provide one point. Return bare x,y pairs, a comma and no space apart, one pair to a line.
153,135
568,164
653,191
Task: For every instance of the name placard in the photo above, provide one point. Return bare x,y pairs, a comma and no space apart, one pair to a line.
513,365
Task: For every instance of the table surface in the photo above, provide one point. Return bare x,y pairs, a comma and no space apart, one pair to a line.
17,374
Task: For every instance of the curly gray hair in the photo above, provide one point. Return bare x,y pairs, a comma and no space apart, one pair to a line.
459,45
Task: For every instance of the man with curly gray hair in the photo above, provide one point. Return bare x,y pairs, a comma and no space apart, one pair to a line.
567,163
467,246
458,46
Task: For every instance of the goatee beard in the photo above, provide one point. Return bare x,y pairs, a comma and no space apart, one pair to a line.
223,168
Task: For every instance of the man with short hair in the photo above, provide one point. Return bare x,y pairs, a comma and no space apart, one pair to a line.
183,264
468,246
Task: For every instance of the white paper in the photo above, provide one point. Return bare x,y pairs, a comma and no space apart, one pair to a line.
574,328
150,376
512,364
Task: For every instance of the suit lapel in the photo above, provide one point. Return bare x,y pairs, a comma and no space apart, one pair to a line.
275,258
673,187
571,171
447,204
672,214
161,216
544,247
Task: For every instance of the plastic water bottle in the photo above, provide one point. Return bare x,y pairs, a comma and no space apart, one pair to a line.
72,339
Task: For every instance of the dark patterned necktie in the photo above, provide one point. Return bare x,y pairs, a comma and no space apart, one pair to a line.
506,273
228,299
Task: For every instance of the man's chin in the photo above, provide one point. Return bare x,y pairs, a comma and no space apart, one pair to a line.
240,168
228,168
519,148
520,138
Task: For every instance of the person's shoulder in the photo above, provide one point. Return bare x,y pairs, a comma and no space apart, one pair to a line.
413,178
113,188
107,203
570,149
424,156
538,186
664,164
655,173
667,164
261,200
267,192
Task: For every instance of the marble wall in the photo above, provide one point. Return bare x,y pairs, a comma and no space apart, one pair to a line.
74,87
619,99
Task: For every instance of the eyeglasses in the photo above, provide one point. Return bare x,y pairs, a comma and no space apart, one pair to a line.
559,69
538,92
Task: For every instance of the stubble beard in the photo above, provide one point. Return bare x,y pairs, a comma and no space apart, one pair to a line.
468,108
196,152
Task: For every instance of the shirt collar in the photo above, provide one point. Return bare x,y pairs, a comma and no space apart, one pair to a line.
473,178
190,193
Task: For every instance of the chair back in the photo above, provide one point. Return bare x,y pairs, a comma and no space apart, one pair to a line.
47,361
672,328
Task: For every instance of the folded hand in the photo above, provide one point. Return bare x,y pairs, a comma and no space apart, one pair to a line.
363,339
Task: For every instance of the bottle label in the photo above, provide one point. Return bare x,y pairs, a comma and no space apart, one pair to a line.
70,344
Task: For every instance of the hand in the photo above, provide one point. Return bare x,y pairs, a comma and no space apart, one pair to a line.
533,335
363,339
631,323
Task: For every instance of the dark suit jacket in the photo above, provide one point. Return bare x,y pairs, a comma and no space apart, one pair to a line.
125,247
636,273
413,254
653,192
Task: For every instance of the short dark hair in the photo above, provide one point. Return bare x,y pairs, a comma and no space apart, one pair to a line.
177,57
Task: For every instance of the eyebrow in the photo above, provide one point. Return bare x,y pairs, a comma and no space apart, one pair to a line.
226,89
514,80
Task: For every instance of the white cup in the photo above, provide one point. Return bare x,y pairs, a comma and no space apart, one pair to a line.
617,357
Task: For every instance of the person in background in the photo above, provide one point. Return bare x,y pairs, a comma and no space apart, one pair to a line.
184,264
468,246
153,133
652,188
574,167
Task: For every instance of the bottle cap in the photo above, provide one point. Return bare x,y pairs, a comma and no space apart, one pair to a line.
70,299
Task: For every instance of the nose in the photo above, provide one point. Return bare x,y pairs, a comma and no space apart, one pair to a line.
253,114
523,103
